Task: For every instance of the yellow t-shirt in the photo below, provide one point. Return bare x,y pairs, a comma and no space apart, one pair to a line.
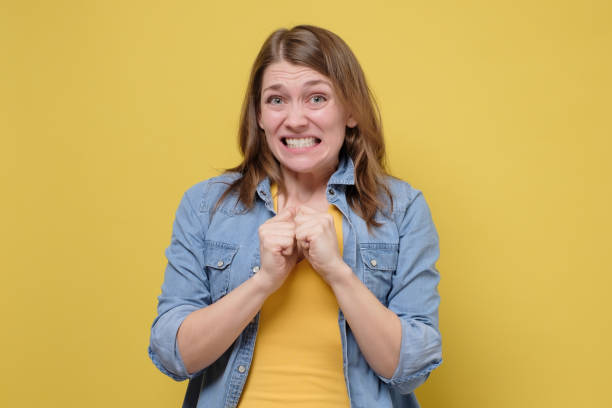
297,360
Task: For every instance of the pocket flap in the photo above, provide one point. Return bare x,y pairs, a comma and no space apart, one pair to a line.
219,255
379,257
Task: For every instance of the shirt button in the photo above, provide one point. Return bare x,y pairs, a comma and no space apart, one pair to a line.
373,262
331,191
220,263
241,369
256,269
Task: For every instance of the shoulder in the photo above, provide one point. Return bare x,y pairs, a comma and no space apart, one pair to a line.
204,195
410,209
402,192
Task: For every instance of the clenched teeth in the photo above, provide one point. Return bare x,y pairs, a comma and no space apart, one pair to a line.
300,142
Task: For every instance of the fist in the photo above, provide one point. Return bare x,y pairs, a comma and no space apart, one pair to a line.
316,238
277,248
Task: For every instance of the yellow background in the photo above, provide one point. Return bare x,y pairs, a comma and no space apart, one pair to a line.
498,110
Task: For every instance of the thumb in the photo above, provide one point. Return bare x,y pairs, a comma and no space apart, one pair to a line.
286,214
288,251
305,210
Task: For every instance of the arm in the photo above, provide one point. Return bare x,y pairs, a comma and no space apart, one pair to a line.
190,332
199,345
414,296
376,328
185,288
401,342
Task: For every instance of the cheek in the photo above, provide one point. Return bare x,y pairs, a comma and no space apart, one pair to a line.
269,139
330,119
273,143
269,120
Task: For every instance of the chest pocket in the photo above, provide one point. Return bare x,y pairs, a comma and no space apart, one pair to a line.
380,262
218,257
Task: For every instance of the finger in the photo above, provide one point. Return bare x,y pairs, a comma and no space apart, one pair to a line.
280,226
308,225
269,232
303,245
303,235
301,219
312,233
279,243
285,214
305,210
274,238
303,248
288,251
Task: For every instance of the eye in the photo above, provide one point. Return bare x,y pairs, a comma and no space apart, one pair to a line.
318,99
274,100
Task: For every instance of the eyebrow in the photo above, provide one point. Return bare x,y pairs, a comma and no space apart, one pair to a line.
310,83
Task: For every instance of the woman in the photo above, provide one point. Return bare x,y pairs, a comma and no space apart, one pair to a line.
307,245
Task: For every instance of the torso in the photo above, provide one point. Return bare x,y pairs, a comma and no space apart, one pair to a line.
297,360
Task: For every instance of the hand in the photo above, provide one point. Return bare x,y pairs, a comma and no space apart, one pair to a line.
316,238
277,248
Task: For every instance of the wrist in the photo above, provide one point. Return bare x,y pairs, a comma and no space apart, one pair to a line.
341,276
263,286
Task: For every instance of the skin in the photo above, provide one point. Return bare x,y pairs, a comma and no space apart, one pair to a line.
297,102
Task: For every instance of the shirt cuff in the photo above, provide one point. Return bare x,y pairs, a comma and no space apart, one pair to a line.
420,354
163,349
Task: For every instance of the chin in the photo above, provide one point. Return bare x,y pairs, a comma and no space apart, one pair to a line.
309,168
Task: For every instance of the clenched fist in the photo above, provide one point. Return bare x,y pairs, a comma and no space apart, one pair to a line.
277,248
316,238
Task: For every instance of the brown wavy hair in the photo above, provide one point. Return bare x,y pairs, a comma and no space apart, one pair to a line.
326,53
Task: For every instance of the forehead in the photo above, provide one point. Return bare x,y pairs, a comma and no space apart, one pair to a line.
285,73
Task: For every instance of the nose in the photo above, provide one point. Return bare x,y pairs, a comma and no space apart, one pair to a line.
296,118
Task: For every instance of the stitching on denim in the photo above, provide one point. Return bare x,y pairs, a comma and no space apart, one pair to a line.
221,244
379,245
161,368
435,364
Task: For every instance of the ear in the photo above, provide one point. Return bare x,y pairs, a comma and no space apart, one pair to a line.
351,122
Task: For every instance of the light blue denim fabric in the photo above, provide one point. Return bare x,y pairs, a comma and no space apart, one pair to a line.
211,253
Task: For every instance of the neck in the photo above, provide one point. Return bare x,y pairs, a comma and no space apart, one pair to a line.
305,188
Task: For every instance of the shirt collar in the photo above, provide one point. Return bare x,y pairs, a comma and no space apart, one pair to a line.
344,175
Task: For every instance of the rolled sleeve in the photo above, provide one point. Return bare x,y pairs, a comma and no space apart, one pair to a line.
415,363
414,297
163,349
185,289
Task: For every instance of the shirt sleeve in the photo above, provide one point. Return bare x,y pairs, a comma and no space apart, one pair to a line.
185,288
414,297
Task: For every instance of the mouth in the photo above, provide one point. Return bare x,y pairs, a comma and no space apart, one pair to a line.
300,142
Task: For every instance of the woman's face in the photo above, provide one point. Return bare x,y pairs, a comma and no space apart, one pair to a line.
303,119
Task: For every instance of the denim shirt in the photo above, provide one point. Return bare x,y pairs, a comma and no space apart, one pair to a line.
213,252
